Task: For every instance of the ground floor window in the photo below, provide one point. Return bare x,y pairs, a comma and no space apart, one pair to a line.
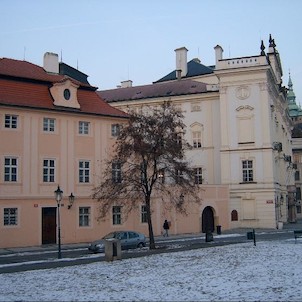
84,216
117,215
10,216
144,214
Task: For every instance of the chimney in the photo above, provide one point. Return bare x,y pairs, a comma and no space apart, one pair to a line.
126,84
51,62
181,61
218,53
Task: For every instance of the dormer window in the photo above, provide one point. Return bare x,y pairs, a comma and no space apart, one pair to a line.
67,94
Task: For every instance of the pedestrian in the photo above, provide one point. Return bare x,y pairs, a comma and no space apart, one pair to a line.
166,228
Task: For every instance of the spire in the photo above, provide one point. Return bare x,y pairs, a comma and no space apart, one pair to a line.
290,83
294,110
271,41
262,47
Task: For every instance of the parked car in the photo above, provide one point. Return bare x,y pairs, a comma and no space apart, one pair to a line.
129,240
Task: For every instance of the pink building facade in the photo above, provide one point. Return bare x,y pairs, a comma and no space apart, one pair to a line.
56,130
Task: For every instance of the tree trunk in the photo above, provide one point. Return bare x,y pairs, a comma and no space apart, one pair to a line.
150,228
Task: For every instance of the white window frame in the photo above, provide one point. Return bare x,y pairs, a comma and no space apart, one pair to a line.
247,170
84,171
116,172
84,128
198,176
11,121
49,170
144,214
179,176
10,169
116,215
49,124
84,216
115,130
196,139
10,216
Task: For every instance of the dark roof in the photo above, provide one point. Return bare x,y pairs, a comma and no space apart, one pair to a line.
65,69
194,69
23,84
181,87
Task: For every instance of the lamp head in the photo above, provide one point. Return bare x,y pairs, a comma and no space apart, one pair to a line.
58,194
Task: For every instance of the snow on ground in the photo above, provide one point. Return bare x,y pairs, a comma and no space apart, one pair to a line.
270,271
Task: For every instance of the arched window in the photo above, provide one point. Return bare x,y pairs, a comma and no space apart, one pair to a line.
234,215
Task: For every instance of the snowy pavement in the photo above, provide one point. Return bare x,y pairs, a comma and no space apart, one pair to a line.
270,271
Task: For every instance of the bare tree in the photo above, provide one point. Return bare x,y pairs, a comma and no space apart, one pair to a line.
149,160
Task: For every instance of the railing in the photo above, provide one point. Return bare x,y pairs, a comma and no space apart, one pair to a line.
241,62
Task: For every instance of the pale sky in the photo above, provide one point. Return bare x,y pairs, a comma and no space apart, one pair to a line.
116,40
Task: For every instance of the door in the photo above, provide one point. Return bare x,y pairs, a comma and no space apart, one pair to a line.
207,220
49,217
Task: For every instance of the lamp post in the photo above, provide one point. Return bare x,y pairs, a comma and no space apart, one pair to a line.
58,197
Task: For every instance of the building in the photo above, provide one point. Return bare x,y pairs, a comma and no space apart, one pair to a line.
54,130
238,123
295,113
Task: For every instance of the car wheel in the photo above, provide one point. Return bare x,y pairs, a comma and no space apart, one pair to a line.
140,245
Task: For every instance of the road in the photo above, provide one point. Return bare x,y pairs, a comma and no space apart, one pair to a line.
17,260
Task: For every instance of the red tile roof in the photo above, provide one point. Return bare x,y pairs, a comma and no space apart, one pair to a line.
27,85
166,89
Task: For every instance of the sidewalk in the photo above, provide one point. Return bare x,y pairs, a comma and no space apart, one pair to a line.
52,247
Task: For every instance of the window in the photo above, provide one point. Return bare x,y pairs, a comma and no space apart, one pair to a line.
143,214
133,235
84,128
84,171
198,176
48,124
196,138
178,139
234,215
143,169
116,215
10,216
48,170
297,175
10,169
178,176
298,193
84,216
247,170
196,135
116,172
161,175
115,130
11,121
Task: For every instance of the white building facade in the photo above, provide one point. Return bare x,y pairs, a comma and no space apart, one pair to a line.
242,122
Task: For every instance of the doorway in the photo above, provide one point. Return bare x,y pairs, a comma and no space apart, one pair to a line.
208,220
49,226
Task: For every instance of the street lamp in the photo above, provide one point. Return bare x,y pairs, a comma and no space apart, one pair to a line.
58,197
71,200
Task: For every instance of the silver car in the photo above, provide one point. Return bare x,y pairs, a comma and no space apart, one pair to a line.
129,240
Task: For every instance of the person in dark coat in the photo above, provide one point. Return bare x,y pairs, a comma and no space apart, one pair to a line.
166,228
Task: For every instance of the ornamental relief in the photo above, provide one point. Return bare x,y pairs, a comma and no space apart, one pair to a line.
243,92
247,107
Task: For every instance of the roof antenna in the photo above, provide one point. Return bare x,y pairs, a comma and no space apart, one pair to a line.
61,56
77,64
24,53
